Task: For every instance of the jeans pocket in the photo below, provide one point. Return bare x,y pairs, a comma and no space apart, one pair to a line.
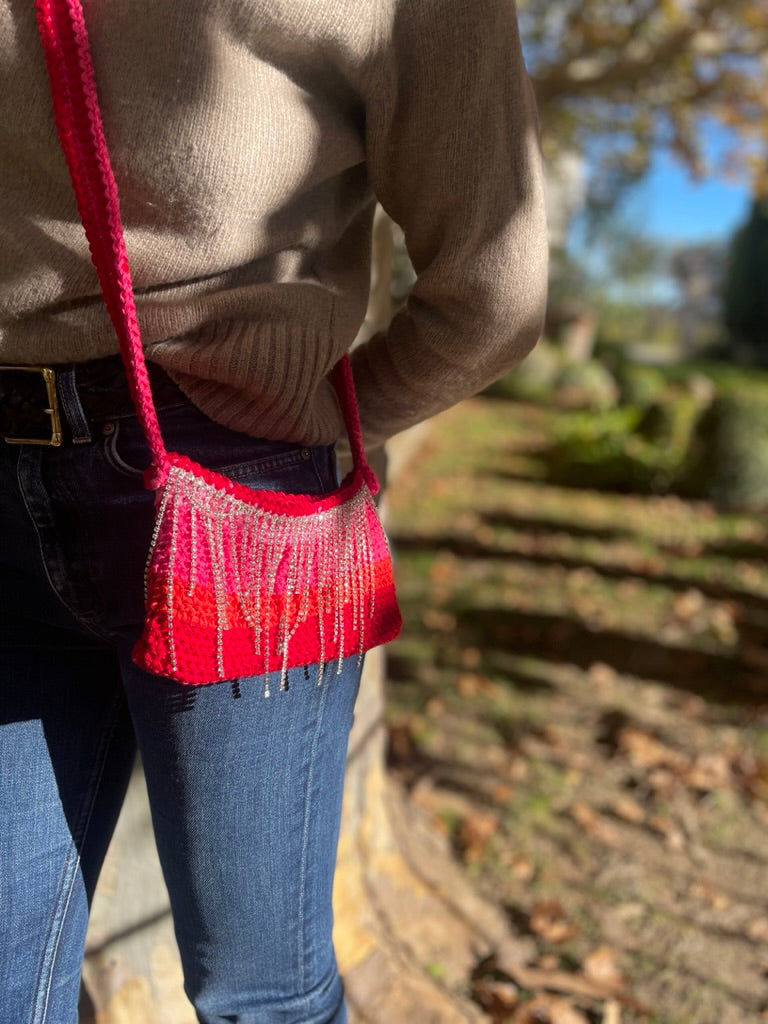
254,462
112,454
296,471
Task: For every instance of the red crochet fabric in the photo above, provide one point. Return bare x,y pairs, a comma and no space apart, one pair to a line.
236,588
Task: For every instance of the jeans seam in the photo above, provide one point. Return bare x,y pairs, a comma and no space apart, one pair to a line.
44,561
266,464
51,948
69,874
322,482
305,844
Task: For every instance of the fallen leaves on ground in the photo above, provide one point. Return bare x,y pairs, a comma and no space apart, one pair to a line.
505,1003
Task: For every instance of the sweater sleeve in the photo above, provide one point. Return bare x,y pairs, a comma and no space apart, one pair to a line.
453,157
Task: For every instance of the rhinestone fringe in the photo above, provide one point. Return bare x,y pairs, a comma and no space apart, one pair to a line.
244,557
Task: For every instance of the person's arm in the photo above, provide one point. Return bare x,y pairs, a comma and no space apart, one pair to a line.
453,157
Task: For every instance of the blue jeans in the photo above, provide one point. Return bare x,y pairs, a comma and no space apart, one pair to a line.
245,791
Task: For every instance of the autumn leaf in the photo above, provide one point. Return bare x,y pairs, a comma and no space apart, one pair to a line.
665,826
644,750
709,772
602,966
497,998
502,793
470,684
440,622
522,869
705,892
593,823
549,922
434,707
471,657
688,605
627,809
475,832
545,1009
603,676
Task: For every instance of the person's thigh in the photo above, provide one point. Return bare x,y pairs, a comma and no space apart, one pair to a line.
245,792
66,751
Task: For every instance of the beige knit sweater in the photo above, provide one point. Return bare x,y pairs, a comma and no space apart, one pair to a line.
250,139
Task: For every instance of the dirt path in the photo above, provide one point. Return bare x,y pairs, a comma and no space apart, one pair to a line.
580,701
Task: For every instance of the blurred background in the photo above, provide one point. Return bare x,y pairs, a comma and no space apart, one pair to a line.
579,702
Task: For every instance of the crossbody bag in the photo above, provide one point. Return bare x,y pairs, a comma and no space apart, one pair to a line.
238,582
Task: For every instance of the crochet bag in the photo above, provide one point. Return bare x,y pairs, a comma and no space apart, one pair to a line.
238,582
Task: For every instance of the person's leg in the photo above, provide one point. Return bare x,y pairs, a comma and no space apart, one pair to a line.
246,800
66,751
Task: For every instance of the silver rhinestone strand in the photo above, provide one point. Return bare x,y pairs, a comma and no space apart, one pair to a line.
217,586
160,516
295,546
171,564
193,551
321,570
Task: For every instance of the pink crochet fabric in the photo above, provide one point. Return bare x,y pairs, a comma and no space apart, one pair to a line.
239,582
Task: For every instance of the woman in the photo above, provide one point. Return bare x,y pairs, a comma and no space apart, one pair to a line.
250,142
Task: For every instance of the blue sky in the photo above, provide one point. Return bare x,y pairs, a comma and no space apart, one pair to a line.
672,206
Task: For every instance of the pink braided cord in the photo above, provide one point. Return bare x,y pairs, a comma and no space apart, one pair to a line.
78,121
81,133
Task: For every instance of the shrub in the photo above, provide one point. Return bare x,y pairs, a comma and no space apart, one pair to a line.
533,380
630,448
586,385
640,385
735,442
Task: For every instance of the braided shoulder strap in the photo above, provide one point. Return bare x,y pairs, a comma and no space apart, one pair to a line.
81,134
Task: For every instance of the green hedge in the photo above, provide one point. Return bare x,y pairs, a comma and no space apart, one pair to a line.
627,449
701,430
737,439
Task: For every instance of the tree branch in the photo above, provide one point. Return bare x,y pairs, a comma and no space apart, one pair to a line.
589,73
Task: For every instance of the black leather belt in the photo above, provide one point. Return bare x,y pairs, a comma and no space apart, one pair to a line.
31,403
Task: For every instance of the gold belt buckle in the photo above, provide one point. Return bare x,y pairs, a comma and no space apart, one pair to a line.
49,376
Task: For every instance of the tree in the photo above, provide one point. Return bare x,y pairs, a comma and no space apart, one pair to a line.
616,81
746,287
